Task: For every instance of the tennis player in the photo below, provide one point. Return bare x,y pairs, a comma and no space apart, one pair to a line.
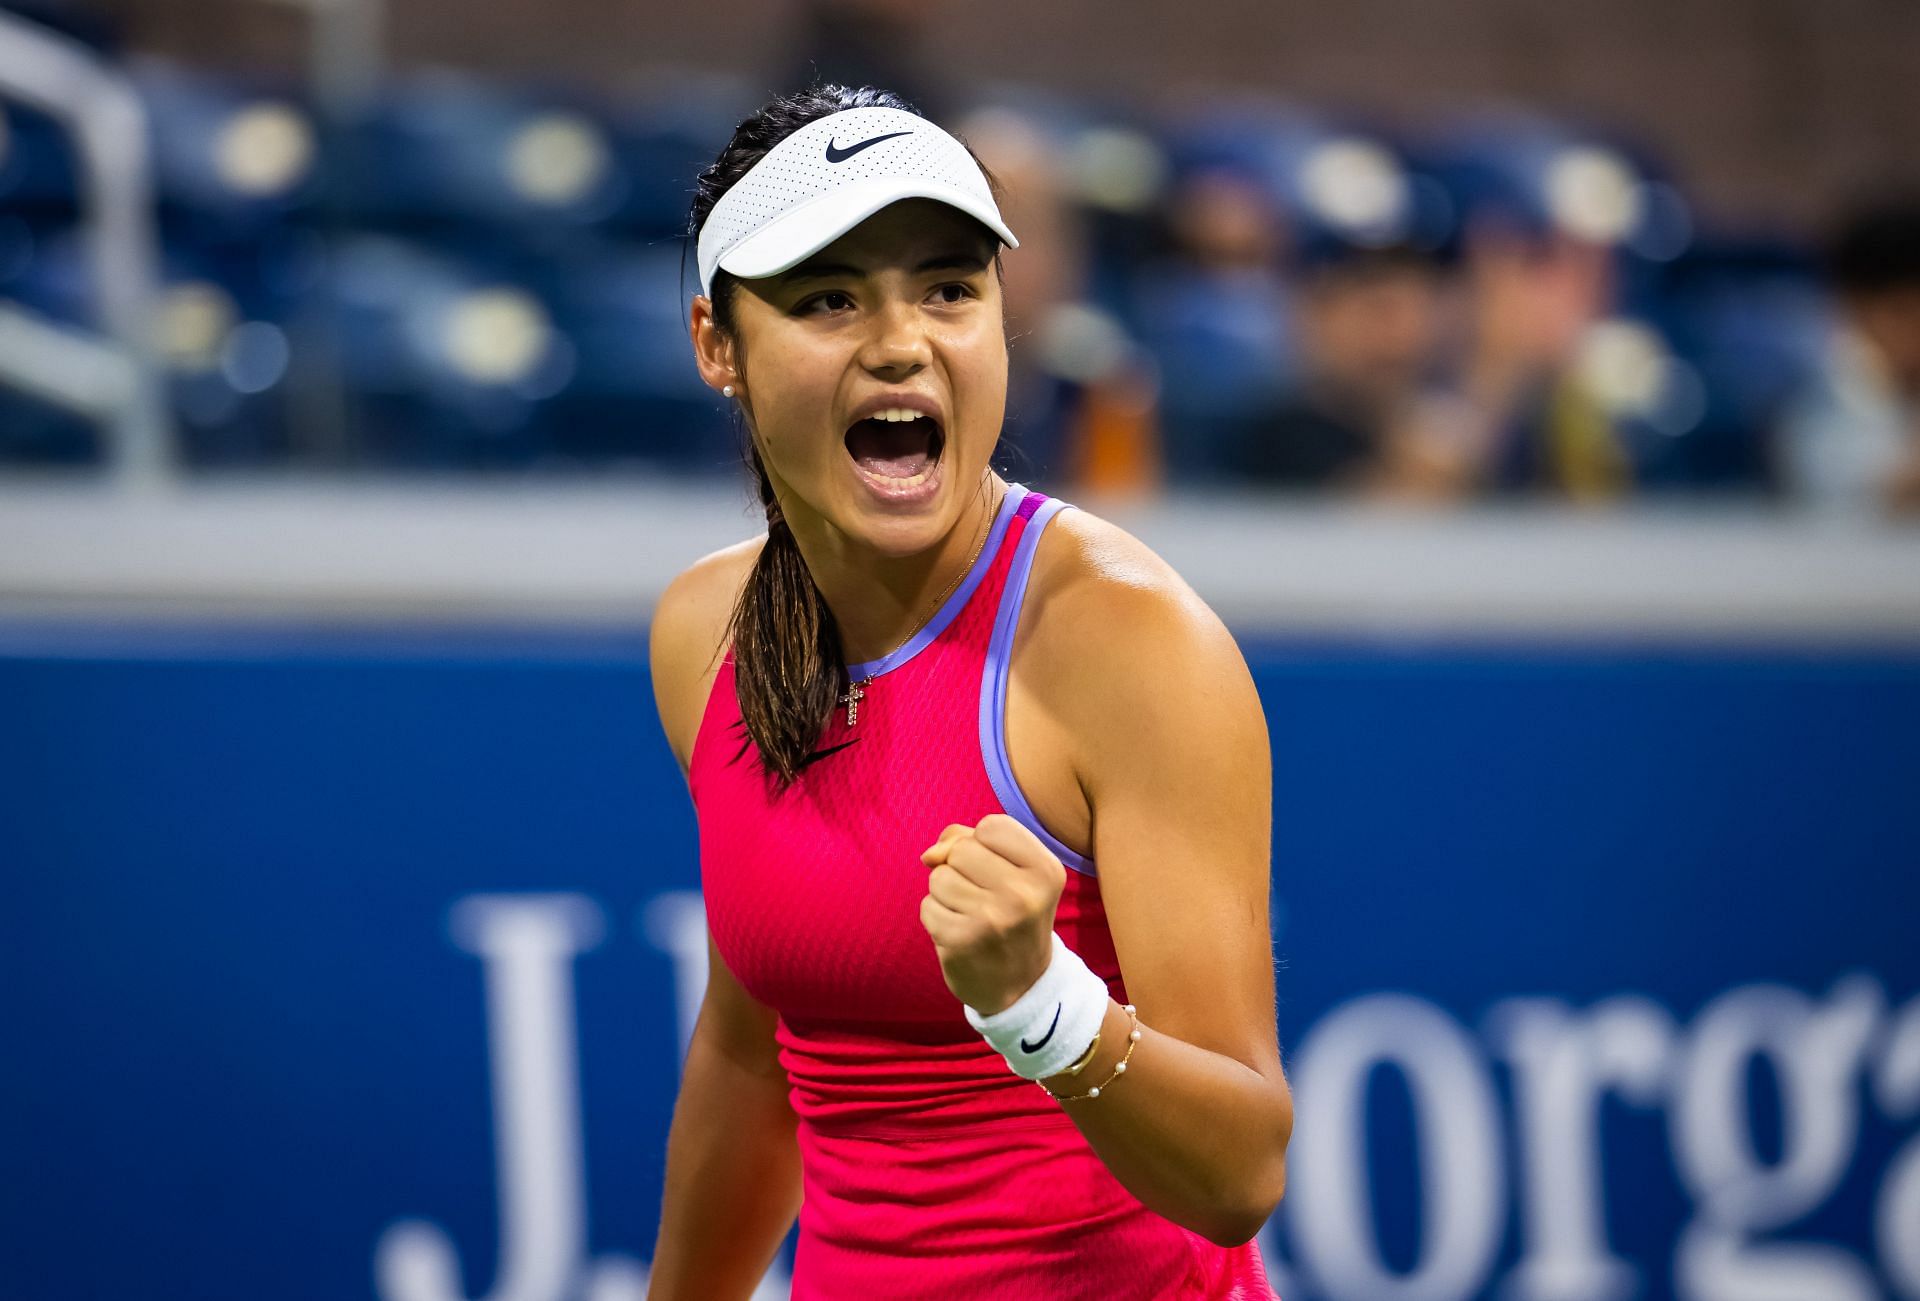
983,792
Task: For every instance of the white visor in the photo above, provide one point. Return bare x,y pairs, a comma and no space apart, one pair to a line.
828,177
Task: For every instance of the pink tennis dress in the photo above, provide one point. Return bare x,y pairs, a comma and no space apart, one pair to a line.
929,1168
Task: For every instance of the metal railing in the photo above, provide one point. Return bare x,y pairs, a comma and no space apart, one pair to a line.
112,376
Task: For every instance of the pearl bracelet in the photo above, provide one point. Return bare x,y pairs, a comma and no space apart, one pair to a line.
1119,1068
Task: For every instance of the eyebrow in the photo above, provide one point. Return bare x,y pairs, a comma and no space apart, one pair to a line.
824,270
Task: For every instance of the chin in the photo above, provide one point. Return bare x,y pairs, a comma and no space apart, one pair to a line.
895,532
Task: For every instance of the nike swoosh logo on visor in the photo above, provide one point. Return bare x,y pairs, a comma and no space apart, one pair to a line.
838,155
1026,1047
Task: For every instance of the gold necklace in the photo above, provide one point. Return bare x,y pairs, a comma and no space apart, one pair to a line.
856,691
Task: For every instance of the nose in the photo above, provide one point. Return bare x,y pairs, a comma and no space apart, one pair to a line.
896,340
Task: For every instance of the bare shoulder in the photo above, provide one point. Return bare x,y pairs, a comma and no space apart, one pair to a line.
1164,733
1126,648
687,638
1089,573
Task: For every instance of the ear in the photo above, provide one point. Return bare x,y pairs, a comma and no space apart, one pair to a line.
712,349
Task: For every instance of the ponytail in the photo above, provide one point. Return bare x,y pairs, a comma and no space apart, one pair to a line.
787,667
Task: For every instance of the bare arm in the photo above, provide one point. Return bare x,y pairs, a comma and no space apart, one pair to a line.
733,1165
1172,751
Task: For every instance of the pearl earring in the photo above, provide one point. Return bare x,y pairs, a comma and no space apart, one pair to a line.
728,390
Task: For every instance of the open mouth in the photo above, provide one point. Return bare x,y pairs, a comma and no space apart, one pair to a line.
901,452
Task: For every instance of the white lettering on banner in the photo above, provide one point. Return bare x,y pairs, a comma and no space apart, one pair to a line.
526,944
1817,1054
676,924
1458,1122
1897,1221
1564,1063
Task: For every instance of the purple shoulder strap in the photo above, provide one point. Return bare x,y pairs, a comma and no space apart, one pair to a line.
1036,509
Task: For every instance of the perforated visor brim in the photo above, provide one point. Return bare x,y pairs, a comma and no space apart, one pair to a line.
786,242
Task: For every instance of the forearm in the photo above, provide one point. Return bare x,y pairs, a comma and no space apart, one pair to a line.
732,1179
1196,1135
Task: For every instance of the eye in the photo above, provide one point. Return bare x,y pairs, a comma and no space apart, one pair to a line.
966,291
819,299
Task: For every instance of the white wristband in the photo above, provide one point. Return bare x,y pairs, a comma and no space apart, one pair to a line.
1050,1025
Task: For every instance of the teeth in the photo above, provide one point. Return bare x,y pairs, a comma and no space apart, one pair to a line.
893,482
895,413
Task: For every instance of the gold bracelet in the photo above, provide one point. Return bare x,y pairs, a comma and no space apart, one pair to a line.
1119,1069
1085,1057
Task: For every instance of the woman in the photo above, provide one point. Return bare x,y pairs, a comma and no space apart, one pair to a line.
914,715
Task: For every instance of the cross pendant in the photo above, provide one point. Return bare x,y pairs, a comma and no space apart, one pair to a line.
851,698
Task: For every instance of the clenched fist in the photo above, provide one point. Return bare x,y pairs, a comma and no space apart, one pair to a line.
990,902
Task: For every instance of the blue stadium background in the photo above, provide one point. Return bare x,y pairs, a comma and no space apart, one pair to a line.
352,937
244,1044
487,273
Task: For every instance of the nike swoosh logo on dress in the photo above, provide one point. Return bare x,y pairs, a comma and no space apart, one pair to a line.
832,749
1026,1047
837,155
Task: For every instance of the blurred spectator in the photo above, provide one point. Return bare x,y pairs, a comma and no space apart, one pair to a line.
1216,316
1226,223
1852,439
1369,333
868,43
1417,384
1079,404
474,275
1517,414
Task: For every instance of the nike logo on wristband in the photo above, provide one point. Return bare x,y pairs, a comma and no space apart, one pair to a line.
1026,1047
838,155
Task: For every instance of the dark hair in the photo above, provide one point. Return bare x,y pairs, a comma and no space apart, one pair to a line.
788,670
1877,247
